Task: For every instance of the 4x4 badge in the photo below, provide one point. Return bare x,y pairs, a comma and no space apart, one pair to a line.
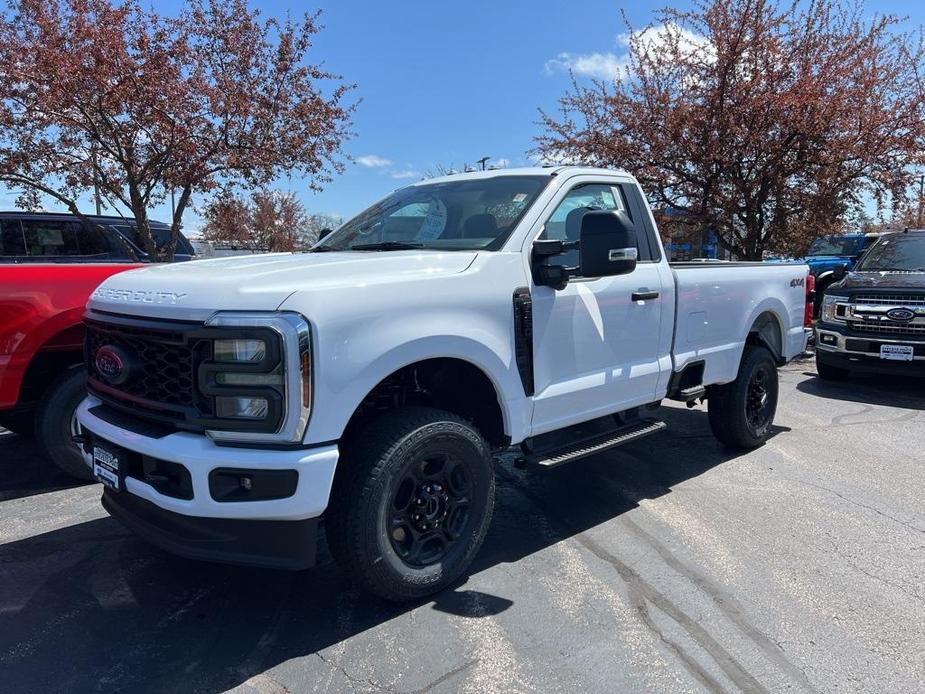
903,315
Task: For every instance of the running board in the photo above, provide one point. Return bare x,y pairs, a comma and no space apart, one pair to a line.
590,445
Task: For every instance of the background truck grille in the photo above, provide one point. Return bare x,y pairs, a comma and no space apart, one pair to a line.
887,328
890,299
165,364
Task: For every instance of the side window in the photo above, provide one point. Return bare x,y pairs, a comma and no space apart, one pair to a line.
57,239
92,241
565,222
12,243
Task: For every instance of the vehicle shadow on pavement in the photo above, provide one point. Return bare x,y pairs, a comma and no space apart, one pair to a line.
889,391
24,470
91,607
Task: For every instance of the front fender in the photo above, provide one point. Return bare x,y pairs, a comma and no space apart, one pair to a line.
333,412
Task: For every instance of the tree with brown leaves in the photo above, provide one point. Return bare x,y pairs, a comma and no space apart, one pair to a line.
142,104
270,220
767,123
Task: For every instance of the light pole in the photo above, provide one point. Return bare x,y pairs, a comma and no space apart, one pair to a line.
921,195
481,162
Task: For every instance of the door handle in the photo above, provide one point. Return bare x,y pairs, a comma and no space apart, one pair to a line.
644,296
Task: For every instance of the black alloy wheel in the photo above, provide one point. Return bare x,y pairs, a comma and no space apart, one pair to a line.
430,509
758,410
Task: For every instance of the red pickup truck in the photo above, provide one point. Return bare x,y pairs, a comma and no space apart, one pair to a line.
49,265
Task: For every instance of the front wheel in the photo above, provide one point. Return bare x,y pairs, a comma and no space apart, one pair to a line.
742,412
412,505
56,422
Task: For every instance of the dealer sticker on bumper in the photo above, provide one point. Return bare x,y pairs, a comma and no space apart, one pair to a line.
106,467
897,352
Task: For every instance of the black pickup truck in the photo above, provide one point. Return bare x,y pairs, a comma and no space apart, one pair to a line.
873,318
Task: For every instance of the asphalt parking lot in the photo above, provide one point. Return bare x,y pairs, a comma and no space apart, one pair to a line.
670,565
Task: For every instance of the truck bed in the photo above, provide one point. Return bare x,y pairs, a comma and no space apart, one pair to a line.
714,311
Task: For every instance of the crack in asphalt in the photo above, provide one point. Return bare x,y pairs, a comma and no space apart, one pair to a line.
446,676
856,503
355,680
727,604
642,593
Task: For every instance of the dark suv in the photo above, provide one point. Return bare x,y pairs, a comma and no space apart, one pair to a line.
51,237
873,318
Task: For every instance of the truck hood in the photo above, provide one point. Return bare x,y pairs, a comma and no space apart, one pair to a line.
821,263
881,280
194,290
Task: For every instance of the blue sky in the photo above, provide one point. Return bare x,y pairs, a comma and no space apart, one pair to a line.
449,82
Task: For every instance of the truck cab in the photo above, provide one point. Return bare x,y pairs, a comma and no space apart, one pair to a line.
236,404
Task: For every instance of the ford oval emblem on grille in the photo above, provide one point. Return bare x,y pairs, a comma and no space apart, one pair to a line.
112,364
903,315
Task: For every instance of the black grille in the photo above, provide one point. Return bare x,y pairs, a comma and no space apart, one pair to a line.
167,373
164,368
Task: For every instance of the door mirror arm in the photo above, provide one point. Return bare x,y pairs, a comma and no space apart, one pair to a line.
546,275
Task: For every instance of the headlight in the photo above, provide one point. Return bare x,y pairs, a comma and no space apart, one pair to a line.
241,407
240,350
259,378
830,309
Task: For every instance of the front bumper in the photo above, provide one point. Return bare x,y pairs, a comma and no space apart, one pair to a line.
267,532
838,346
265,543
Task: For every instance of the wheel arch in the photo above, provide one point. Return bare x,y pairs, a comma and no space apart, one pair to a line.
454,384
44,360
767,331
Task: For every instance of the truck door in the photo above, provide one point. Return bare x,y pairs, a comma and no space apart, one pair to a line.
598,344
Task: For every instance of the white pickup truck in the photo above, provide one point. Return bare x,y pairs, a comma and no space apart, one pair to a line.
235,403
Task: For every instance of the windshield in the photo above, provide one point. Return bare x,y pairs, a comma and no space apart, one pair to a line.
452,215
902,252
833,245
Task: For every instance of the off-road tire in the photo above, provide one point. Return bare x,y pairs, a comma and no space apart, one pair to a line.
728,404
375,464
53,422
828,372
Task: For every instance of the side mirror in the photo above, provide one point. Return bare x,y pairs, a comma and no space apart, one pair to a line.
839,272
324,232
608,244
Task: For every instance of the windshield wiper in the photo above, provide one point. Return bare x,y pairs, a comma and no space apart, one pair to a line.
387,246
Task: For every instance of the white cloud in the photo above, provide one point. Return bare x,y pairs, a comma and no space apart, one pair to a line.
611,66
373,161
552,159
605,66
406,173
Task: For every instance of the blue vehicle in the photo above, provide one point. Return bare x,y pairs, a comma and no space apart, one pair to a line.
829,254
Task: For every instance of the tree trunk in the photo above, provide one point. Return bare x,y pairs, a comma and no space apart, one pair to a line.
178,211
143,228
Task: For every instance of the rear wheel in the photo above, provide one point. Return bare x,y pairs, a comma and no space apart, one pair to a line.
742,412
413,504
828,372
56,422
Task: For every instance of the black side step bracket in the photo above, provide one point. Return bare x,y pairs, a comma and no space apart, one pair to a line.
583,447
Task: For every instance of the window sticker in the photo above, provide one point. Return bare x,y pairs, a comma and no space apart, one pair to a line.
434,222
48,237
519,197
607,197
